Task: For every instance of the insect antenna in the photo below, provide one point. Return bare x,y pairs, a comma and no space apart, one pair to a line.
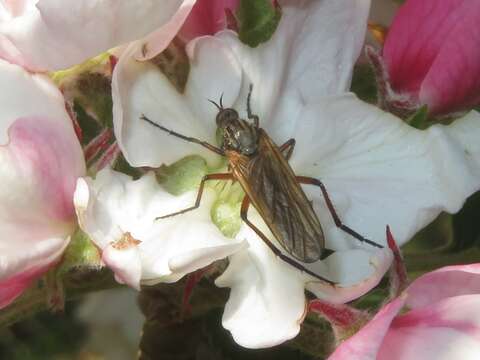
183,137
219,107
214,103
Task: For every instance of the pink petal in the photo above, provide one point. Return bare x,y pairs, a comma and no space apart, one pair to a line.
447,329
40,165
13,287
56,34
416,37
41,159
444,283
206,18
453,81
365,344
40,150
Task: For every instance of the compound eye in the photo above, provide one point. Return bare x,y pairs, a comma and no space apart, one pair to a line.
226,115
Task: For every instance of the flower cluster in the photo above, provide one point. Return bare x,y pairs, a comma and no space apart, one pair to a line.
168,62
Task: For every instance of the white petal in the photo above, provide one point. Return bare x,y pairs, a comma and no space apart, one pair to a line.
113,205
325,40
355,271
267,298
56,34
380,171
199,258
125,263
140,88
310,55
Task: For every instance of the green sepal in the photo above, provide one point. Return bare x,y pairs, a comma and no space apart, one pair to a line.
364,83
80,253
88,87
94,92
419,120
122,165
91,64
184,175
258,20
225,211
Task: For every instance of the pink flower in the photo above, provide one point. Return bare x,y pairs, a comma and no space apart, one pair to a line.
41,159
432,55
442,322
207,18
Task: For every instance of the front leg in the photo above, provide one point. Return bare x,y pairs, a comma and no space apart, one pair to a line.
208,177
250,115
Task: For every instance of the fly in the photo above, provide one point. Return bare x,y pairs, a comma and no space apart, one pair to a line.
262,169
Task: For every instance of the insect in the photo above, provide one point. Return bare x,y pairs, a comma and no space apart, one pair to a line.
262,169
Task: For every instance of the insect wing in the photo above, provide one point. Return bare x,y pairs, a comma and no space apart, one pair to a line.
271,185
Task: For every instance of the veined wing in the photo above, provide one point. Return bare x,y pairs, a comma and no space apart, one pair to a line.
270,183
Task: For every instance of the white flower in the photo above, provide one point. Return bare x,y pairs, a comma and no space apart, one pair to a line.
119,215
377,170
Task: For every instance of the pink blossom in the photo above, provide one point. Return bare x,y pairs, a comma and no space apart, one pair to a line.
41,160
207,18
442,322
432,55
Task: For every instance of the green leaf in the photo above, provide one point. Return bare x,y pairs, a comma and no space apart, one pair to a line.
419,120
258,20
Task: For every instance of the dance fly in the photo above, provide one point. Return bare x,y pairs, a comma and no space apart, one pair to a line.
271,186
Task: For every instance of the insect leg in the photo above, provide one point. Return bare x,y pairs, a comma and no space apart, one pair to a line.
336,219
275,250
208,177
287,148
186,138
251,116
